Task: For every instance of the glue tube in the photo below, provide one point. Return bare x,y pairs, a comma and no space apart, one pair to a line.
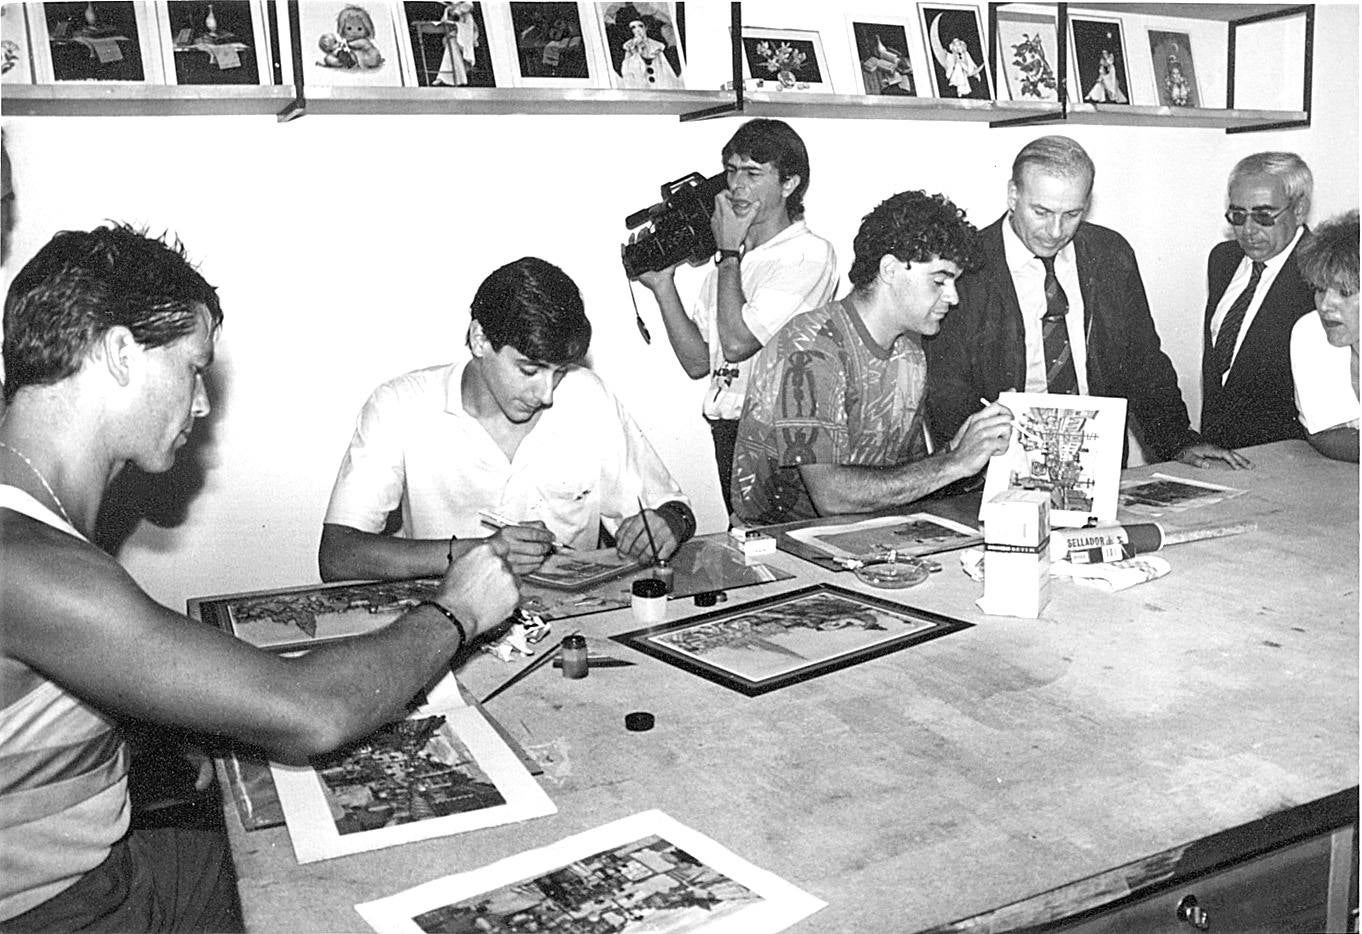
1105,542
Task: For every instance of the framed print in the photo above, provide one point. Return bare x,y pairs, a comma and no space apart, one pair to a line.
16,55
1161,492
447,45
1175,83
643,45
955,47
1028,44
643,873
575,570
94,42
1069,446
443,770
1099,60
881,52
913,535
782,640
556,45
349,44
213,43
785,59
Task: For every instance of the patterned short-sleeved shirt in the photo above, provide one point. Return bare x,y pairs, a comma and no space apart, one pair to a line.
824,392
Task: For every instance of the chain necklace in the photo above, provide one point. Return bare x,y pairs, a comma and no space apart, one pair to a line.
41,479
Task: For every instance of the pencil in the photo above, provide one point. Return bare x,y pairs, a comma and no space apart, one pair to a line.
642,514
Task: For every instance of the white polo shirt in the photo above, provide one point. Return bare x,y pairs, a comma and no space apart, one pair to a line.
585,462
1323,376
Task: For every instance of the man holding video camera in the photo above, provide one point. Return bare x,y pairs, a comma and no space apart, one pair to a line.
768,267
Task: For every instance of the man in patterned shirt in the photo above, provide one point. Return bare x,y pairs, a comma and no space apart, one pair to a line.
833,420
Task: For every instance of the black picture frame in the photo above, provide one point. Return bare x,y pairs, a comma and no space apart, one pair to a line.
431,38
902,626
1099,50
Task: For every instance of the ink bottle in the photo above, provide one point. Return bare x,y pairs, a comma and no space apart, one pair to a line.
574,656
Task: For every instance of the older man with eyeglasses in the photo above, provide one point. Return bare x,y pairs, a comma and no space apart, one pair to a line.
1255,294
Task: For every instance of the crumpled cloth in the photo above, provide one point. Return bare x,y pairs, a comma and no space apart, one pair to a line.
1110,576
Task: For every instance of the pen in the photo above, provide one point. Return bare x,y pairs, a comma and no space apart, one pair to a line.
497,521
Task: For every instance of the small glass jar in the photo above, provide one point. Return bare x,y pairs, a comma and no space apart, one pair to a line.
574,656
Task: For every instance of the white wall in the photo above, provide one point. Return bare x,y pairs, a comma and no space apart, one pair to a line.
346,250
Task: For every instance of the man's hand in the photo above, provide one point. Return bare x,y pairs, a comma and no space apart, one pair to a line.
524,546
479,589
631,539
984,434
202,765
729,227
655,279
1201,454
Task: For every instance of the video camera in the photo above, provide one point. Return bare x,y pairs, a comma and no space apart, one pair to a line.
677,226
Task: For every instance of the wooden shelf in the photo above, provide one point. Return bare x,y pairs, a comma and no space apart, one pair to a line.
1220,12
1133,115
104,99
807,104
322,100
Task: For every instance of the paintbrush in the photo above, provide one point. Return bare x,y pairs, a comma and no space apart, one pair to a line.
526,671
652,544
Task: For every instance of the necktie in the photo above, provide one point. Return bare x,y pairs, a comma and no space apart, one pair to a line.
1223,351
1060,375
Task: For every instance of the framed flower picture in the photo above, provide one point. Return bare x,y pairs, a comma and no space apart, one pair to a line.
1099,60
449,45
880,50
785,59
349,44
1028,45
1175,83
213,43
643,45
955,46
94,42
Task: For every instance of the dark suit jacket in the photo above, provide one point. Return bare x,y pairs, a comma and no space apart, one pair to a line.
981,348
1257,403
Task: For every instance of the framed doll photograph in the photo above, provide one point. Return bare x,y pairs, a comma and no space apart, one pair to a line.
114,42
1028,51
1099,60
955,46
213,43
1175,83
447,45
881,55
785,59
349,44
644,45
555,45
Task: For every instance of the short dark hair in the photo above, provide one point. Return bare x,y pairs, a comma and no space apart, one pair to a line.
915,227
532,305
83,283
774,142
1327,256
1054,155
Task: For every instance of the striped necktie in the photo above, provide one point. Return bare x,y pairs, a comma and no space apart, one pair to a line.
1060,375
1223,351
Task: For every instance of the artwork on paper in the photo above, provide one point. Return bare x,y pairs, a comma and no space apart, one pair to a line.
349,44
1160,493
553,46
576,569
782,640
912,535
94,42
1028,45
1069,446
785,59
644,874
213,43
1174,69
1100,60
449,45
955,45
643,43
881,50
443,770
16,60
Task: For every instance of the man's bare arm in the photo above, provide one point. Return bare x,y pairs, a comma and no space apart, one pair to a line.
689,345
348,553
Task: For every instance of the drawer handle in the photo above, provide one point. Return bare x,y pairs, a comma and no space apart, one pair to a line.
1193,914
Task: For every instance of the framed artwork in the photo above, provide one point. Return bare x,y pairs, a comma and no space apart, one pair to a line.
881,51
1175,83
576,570
1069,446
443,770
1099,60
643,44
1161,492
94,42
789,638
213,43
16,56
448,45
1028,44
349,44
556,45
785,59
955,47
912,535
681,879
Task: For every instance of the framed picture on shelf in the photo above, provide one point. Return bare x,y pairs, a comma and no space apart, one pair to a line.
1175,83
1099,60
555,45
213,43
1028,49
94,42
643,44
788,638
16,55
955,48
448,45
349,44
881,53
785,59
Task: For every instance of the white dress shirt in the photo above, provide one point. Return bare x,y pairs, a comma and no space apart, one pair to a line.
1238,282
1028,278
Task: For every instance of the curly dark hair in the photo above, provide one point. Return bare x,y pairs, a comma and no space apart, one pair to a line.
915,227
535,307
81,284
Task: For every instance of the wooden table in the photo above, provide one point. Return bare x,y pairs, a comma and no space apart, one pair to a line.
970,772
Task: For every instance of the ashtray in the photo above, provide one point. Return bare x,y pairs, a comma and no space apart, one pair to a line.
893,575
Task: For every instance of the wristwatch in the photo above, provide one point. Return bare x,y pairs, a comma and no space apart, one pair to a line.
722,255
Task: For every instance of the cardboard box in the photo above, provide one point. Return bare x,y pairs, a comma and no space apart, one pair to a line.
1016,553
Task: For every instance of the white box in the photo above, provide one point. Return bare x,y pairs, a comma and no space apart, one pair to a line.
1016,553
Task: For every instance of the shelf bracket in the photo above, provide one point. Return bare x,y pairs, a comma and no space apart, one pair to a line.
298,106
739,103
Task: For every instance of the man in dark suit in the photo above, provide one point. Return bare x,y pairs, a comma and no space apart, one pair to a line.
1058,306
1255,295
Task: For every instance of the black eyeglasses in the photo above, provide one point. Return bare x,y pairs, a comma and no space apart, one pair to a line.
1261,216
